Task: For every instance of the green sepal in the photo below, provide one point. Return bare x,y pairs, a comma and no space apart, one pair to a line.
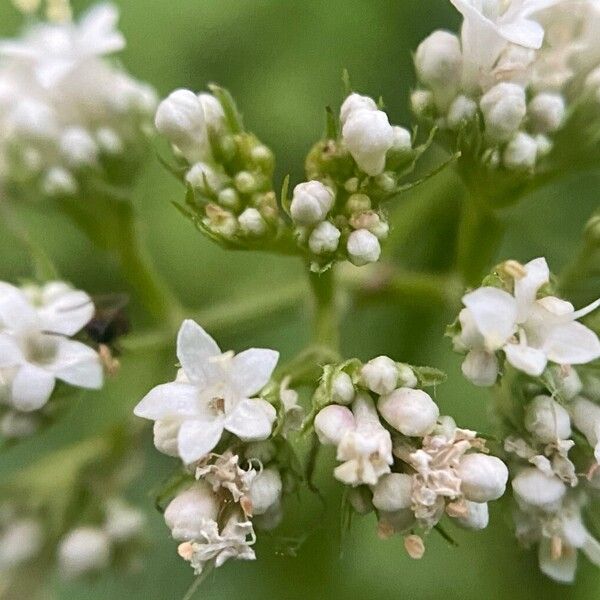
232,114
429,376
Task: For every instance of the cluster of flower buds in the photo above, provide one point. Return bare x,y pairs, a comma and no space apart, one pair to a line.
515,318
228,171
220,418
400,457
502,91
337,213
68,117
36,349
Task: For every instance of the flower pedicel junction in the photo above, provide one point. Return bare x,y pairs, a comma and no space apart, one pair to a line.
503,102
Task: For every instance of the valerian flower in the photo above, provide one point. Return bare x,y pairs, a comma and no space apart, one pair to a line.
215,394
529,330
35,349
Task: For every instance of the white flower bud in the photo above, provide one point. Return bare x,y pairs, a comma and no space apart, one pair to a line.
263,451
180,118
311,202
204,178
567,380
438,62
83,550
368,136
332,422
402,139
228,198
351,185
324,238
483,477
32,119
363,247
20,541
592,81
547,420
535,488
544,144
165,436
265,490
421,102
252,223
109,141
586,417
387,181
380,230
411,412
214,117
59,182
358,203
504,108
546,112
342,389
188,511
520,153
123,522
477,516
245,182
380,375
78,147
462,110
406,376
353,103
393,492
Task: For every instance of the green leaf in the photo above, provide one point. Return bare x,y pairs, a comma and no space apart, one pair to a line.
331,124
429,376
232,114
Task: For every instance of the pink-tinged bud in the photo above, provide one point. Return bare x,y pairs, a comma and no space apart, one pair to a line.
332,422
188,511
411,412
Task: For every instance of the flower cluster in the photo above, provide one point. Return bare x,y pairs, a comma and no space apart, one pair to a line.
400,457
505,87
515,316
231,442
228,171
68,117
36,349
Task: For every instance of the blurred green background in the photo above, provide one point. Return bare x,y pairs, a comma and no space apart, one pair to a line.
282,60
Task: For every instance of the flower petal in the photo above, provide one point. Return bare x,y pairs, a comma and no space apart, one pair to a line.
10,353
252,369
526,288
525,358
571,344
77,364
170,400
196,438
66,310
16,312
481,368
251,419
31,388
523,32
591,548
194,348
561,569
494,312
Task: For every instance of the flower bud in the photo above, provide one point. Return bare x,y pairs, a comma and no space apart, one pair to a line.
393,492
547,420
544,145
78,147
520,153
265,490
324,238
187,512
342,389
205,178
546,112
229,198
109,141
402,141
252,223
421,103
332,422
311,202
483,477
83,550
20,541
368,136
123,522
270,519
477,516
504,109
180,118
214,117
15,424
462,110
380,375
411,412
358,203
59,182
363,247
263,451
535,488
165,436
438,62
353,103
586,417
406,376
387,181
245,182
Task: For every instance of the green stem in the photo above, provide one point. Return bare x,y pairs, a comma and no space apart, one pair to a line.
325,319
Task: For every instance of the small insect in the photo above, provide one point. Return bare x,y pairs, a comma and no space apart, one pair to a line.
110,321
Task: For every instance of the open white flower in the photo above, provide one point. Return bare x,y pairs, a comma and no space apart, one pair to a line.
530,331
35,325
215,394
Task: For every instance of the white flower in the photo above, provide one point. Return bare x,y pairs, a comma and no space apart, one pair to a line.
332,422
311,202
380,375
20,541
35,325
217,395
504,108
324,238
78,147
521,152
530,331
586,417
368,136
187,514
363,247
83,550
393,492
265,490
409,411
365,449
483,477
547,420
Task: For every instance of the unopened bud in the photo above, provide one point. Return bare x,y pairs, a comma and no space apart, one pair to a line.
109,141
358,203
546,112
205,178
414,546
547,420
83,550
187,512
535,488
422,103
504,108
342,389
353,103
411,412
265,490
462,110
380,375
245,182
476,516
78,147
483,477
165,436
324,238
252,223
311,202
228,198
214,117
520,153
363,247
332,422
393,492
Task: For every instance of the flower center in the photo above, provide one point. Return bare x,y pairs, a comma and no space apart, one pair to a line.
40,349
